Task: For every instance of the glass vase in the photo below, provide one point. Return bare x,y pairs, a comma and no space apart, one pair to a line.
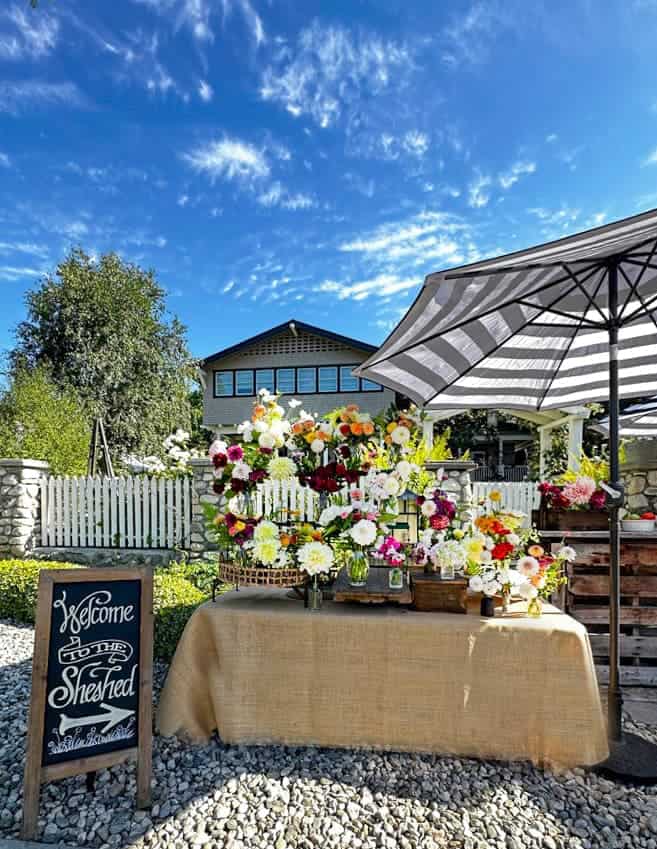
357,568
396,579
506,601
534,607
315,595
447,572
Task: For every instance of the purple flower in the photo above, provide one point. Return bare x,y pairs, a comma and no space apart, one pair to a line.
235,453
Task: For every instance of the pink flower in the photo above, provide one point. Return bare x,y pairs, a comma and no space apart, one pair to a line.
598,500
235,453
580,491
372,517
356,495
344,514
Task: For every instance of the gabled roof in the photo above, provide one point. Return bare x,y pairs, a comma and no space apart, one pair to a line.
288,325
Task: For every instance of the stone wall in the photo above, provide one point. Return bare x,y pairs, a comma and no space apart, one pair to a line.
641,489
202,479
20,505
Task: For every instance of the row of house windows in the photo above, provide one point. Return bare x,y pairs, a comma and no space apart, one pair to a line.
299,380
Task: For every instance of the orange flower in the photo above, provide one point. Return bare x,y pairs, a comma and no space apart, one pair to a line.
316,535
536,550
368,428
352,408
297,428
357,429
258,411
325,437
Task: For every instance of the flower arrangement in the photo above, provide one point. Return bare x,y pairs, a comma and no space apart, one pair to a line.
391,551
400,431
437,509
582,493
315,558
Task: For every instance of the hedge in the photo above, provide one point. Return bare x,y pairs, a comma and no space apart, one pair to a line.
175,597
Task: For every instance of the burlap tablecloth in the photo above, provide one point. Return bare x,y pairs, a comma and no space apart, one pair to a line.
260,668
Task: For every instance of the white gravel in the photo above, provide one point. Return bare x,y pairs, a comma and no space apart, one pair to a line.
280,798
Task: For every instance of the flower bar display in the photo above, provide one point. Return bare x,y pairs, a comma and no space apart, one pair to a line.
579,504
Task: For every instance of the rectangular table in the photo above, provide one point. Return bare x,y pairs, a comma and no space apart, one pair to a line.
259,668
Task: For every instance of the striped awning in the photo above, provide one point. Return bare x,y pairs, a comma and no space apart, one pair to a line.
529,330
637,420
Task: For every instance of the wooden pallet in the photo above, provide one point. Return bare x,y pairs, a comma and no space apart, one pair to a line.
587,600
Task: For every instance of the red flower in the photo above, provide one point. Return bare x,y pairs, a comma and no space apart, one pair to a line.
219,460
439,523
344,429
598,500
502,550
218,487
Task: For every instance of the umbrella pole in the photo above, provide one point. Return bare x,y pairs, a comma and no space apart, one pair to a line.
632,758
615,699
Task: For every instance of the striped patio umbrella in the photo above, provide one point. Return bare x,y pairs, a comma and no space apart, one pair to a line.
636,421
564,323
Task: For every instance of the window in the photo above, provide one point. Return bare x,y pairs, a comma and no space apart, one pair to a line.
370,386
285,380
348,383
264,378
244,382
306,380
328,379
223,384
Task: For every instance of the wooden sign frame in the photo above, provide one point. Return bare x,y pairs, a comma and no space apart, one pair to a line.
35,772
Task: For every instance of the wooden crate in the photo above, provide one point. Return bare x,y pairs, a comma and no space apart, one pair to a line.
587,600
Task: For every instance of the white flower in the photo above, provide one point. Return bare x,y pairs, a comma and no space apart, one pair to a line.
404,469
315,557
363,532
317,446
241,471
485,557
514,539
400,435
266,440
281,468
491,588
260,426
489,543
325,427
428,508
527,591
217,447
567,553
426,537
266,551
265,531
476,584
247,433
329,513
391,486
528,566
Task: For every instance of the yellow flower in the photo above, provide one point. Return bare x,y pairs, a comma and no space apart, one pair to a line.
458,534
473,549
495,495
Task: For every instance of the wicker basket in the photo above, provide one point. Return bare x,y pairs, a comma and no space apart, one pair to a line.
431,592
260,576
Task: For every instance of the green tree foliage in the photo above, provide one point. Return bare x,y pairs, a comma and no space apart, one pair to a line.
40,421
101,326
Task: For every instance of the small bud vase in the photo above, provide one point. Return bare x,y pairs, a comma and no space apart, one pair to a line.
487,606
396,579
315,595
506,601
357,568
535,607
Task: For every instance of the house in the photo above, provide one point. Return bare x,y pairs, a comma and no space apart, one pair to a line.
296,359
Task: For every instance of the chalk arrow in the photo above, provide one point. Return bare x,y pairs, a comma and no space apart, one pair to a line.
113,716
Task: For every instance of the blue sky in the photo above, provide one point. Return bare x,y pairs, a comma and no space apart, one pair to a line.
274,159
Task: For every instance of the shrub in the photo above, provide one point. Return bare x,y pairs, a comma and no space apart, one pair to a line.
174,599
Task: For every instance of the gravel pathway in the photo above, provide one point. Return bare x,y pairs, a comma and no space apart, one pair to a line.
281,798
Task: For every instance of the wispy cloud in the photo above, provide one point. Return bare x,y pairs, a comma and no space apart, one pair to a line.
12,273
19,97
651,159
381,285
479,191
31,248
556,222
330,68
515,172
27,34
229,159
205,91
5,162
200,16
466,40
277,195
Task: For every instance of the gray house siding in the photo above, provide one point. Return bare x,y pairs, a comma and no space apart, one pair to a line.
285,350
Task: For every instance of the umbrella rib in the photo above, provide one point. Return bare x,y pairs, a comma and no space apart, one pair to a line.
641,301
592,269
561,313
634,287
590,299
494,350
644,308
565,353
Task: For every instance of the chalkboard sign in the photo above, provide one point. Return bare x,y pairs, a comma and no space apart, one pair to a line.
91,699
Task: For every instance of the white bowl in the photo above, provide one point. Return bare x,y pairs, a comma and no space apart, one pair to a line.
641,526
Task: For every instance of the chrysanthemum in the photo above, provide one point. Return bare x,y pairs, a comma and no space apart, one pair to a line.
265,531
266,551
281,468
363,532
315,557
528,566
400,435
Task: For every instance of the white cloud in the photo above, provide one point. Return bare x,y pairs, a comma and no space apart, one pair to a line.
12,273
277,195
183,200
230,285
5,162
23,248
330,68
198,16
26,33
18,97
552,137
205,91
381,285
651,159
416,143
478,191
466,40
230,159
517,170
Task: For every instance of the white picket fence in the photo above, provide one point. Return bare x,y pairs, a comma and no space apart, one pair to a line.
130,512
287,500
516,495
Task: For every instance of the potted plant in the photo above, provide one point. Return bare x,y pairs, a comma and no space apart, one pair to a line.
638,523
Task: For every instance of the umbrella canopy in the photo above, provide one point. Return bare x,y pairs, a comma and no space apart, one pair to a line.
638,420
529,330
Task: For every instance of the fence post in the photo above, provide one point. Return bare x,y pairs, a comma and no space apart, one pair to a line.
20,505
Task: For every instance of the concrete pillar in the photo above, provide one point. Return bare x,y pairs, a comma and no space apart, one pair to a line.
575,440
545,443
202,479
20,501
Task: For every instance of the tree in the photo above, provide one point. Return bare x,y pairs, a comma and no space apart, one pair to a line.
101,327
39,421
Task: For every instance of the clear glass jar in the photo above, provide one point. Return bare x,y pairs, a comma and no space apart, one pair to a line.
315,595
357,568
535,607
396,578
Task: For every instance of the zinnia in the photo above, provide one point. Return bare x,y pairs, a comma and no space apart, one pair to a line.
502,550
235,453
